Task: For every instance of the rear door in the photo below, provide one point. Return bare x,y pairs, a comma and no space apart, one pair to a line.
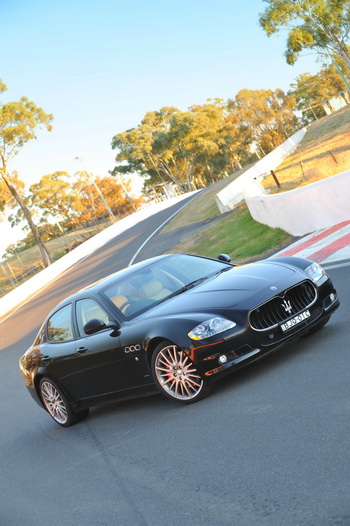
99,365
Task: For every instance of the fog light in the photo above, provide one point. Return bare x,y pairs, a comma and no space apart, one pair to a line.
223,358
332,297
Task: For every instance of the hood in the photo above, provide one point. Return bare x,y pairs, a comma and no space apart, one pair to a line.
245,286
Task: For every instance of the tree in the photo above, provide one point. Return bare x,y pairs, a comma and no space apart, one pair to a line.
321,25
310,90
269,115
141,150
6,198
190,149
18,123
90,206
53,198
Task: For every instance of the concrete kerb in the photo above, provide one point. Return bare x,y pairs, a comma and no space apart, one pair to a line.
43,278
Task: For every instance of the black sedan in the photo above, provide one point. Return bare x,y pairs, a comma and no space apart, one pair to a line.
174,323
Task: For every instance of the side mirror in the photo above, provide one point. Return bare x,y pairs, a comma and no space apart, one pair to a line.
224,257
95,325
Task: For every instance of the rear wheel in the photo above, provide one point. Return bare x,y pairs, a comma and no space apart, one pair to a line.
176,376
57,405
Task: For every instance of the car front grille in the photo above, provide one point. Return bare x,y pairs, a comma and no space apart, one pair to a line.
283,306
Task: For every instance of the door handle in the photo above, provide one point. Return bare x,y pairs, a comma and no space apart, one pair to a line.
81,350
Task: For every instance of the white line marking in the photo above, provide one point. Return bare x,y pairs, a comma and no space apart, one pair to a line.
159,228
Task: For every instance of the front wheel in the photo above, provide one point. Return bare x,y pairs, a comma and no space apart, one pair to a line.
176,376
57,405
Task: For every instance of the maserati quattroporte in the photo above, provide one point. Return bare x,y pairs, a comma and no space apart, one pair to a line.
175,323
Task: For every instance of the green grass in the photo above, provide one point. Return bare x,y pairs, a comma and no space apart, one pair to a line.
237,235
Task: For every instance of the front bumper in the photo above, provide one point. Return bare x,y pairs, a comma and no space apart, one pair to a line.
250,345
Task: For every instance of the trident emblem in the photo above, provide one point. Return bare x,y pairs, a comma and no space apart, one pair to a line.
287,306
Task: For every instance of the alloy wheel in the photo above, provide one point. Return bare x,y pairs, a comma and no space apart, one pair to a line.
176,374
54,402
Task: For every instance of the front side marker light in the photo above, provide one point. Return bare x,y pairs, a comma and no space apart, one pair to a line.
211,328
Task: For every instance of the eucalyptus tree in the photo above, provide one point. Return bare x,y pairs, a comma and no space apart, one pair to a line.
268,115
319,25
18,124
141,150
87,201
310,90
188,148
53,199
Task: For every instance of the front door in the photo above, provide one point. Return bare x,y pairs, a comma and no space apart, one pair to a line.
99,365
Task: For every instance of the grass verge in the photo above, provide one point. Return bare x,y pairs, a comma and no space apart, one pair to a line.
237,235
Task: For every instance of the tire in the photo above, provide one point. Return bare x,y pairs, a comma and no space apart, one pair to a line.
176,376
56,404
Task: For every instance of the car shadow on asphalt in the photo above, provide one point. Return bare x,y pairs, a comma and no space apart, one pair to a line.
155,403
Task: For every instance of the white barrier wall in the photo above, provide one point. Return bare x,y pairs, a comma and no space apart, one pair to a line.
50,273
306,209
232,194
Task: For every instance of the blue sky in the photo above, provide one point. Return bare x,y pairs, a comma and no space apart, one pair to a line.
99,66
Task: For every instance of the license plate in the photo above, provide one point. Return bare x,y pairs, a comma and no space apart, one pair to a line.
294,321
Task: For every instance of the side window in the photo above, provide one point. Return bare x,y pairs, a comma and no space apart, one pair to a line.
88,309
59,327
41,336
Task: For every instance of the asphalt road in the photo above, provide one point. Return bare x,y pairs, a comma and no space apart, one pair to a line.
269,447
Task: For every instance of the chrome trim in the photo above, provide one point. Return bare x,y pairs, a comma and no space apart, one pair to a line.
281,296
245,356
331,304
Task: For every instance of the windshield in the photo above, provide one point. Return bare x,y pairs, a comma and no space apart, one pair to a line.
154,283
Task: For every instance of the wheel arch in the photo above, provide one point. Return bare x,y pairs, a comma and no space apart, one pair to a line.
153,345
37,380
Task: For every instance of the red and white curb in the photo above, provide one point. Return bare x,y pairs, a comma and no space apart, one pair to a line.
324,246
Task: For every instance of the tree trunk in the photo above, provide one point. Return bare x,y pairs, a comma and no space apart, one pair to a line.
44,252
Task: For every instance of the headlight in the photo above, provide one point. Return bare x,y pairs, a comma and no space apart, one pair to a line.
210,328
315,271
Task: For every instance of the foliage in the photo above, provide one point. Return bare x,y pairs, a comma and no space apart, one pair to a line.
59,254
269,115
310,90
191,149
321,25
18,124
89,205
6,198
53,199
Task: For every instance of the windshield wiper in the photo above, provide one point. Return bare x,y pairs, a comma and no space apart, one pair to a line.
186,287
225,269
